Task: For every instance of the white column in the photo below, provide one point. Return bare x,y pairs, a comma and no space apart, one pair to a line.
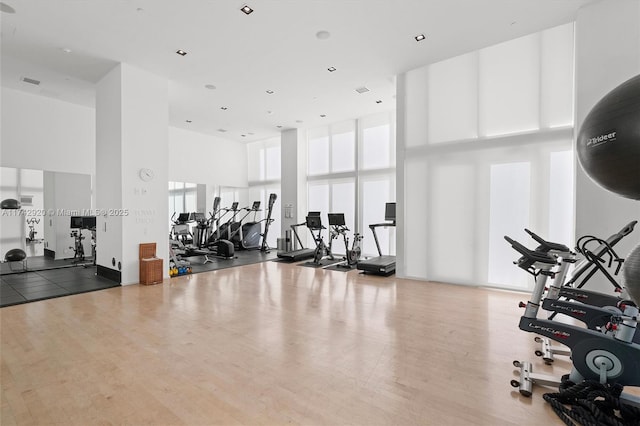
294,171
131,136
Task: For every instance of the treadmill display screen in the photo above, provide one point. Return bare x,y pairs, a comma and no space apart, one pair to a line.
390,212
336,219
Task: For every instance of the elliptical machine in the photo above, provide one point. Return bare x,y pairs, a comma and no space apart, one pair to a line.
607,357
246,235
212,241
264,247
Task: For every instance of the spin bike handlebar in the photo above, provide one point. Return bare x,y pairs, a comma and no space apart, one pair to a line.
547,246
529,257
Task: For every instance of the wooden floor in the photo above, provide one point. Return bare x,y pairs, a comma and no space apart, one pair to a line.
270,344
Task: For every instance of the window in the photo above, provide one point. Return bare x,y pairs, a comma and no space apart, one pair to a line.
488,152
264,180
331,149
351,171
182,198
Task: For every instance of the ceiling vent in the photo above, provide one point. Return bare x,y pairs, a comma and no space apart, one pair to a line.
362,89
30,81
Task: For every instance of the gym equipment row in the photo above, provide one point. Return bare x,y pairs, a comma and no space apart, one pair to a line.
215,237
607,350
322,254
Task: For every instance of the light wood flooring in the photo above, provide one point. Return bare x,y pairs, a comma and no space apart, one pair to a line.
270,344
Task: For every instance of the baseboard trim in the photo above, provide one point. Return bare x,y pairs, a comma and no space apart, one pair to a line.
110,274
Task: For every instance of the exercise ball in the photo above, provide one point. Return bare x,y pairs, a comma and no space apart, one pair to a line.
15,255
608,144
10,203
631,274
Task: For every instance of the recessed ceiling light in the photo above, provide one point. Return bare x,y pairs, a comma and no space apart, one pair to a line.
279,127
323,35
378,101
270,92
362,89
66,50
420,37
210,86
222,130
188,121
246,10
6,8
224,108
244,136
181,52
331,69
323,115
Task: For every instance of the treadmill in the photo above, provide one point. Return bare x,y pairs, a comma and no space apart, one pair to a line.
381,265
301,253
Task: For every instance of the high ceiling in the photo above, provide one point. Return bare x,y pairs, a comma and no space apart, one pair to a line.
68,45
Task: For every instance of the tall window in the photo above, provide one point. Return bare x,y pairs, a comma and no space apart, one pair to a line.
182,198
489,153
351,169
264,180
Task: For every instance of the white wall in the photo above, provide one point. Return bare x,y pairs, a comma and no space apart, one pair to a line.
108,169
199,158
132,135
46,134
607,54
42,133
51,135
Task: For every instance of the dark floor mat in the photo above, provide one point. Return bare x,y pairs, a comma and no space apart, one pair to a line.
322,264
241,258
41,263
340,267
34,286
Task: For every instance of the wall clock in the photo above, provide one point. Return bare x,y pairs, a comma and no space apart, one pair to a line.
146,174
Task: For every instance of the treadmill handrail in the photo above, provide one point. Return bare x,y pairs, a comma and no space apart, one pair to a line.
373,227
293,227
384,224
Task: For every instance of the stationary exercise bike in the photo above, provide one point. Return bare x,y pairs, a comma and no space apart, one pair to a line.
32,222
314,223
607,357
339,227
78,247
592,308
